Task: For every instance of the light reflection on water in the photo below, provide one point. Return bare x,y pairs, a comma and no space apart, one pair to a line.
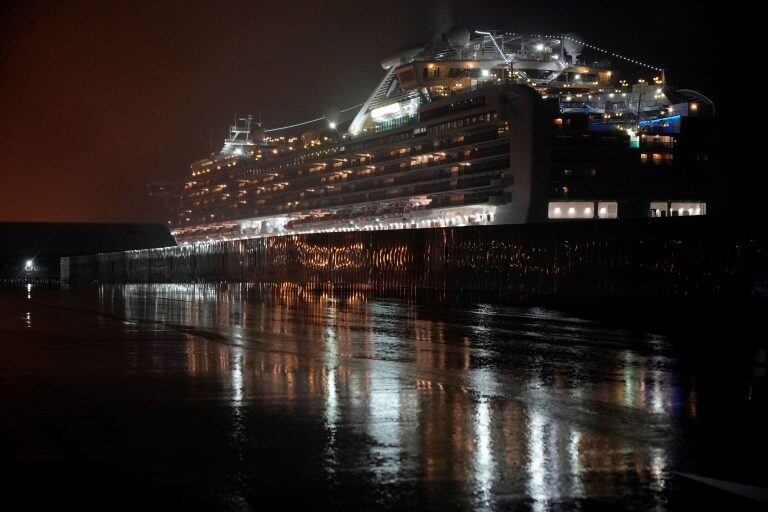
508,404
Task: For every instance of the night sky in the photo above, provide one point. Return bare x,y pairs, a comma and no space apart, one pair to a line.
100,98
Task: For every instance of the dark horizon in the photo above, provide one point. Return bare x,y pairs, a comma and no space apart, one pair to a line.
101,99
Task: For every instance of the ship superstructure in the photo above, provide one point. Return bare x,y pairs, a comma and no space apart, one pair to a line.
484,129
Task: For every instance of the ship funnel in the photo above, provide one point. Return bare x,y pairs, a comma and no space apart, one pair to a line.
458,37
572,45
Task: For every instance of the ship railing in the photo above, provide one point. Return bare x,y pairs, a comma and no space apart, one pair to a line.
421,185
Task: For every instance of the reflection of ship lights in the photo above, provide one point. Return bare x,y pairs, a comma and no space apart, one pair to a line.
484,454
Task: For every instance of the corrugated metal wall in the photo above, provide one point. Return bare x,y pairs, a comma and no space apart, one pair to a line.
695,256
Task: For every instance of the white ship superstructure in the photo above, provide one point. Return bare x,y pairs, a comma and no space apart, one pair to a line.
471,130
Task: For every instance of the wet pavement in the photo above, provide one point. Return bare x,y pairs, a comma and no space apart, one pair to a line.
252,398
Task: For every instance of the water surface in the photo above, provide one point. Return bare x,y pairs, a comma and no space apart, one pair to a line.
246,397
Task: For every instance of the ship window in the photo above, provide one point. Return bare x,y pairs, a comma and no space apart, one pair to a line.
665,141
658,209
656,158
680,209
571,210
607,210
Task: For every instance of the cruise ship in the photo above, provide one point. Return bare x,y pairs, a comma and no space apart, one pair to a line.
477,128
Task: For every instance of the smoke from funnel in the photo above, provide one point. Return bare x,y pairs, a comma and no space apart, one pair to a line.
441,17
